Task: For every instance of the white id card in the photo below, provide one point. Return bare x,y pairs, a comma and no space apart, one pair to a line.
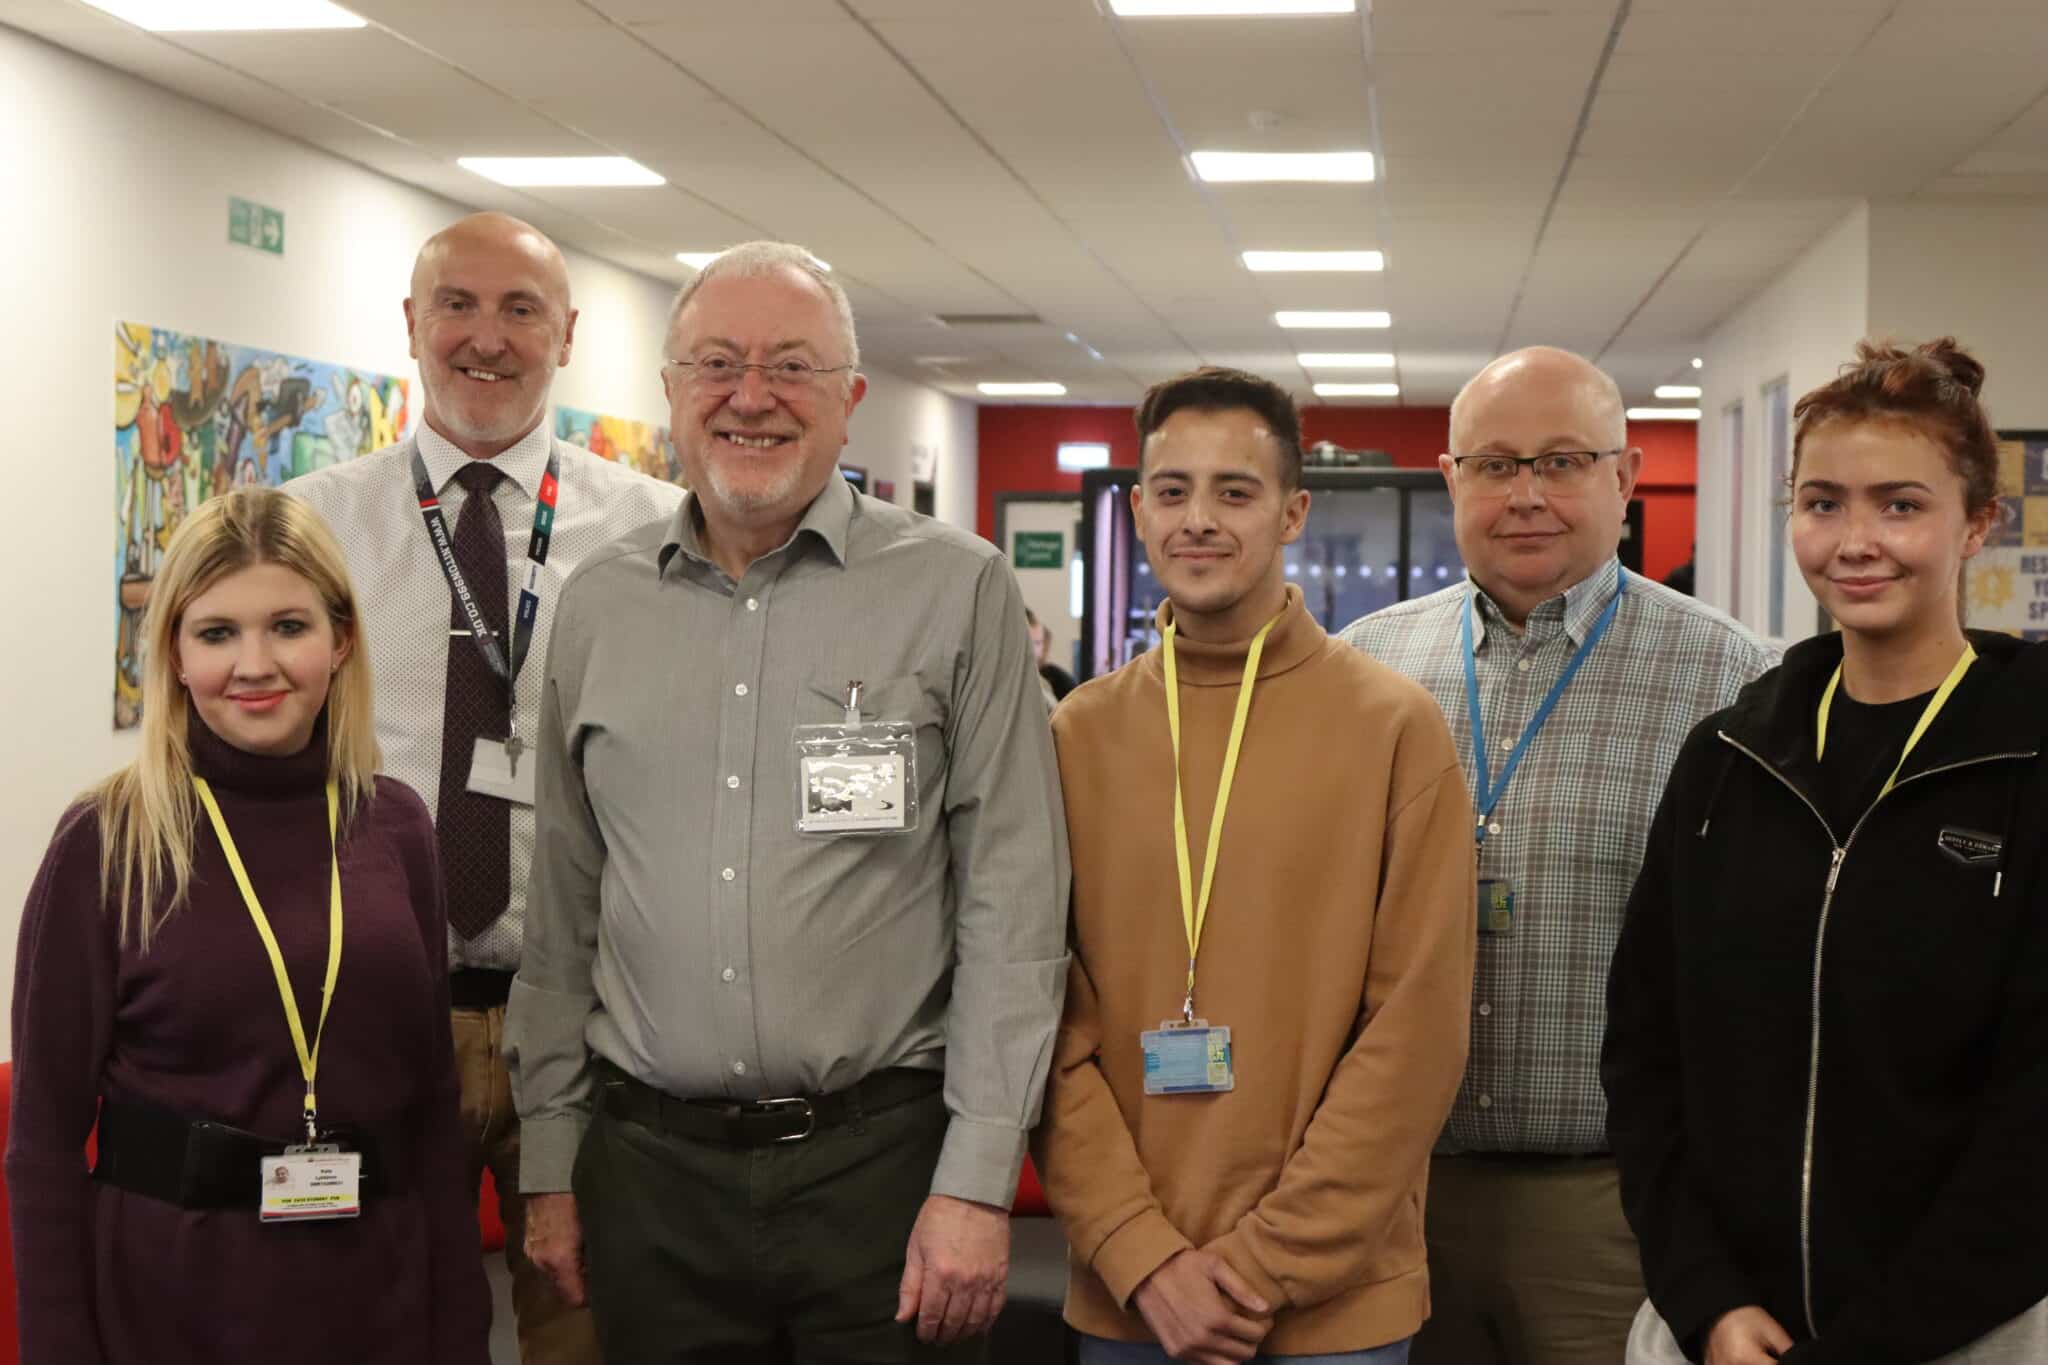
306,1185
1187,1059
856,779
493,773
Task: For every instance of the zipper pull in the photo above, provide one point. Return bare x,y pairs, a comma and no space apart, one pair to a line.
1835,868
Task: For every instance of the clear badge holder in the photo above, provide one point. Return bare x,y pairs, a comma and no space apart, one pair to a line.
857,777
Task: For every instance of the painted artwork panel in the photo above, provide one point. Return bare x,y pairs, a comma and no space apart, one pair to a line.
2005,587
195,416
640,445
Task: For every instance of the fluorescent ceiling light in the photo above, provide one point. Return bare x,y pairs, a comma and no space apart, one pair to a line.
1346,360
1147,9
1315,260
1678,390
218,16
697,260
1698,364
1358,390
1030,390
1663,414
1226,167
1333,321
549,172
1080,455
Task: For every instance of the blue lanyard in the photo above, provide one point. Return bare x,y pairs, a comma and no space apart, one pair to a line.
1488,792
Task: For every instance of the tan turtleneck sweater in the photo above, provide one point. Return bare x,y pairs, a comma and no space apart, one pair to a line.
1338,948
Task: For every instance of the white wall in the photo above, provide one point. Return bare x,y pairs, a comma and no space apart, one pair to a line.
120,213
1977,271
1800,328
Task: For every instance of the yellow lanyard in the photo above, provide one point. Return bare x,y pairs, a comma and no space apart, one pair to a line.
1934,705
1193,912
309,1057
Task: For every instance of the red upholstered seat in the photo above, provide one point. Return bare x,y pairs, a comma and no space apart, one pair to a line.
487,1220
1030,1194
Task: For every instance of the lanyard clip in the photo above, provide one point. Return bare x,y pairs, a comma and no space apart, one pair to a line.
312,1120
853,691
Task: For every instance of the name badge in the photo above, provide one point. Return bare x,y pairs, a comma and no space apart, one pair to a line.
494,772
856,779
1187,1059
1496,906
307,1185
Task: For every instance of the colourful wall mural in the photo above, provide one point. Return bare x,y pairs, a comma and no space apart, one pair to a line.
2006,585
193,417
639,444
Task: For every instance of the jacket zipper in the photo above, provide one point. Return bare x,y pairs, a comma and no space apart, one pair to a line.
1836,858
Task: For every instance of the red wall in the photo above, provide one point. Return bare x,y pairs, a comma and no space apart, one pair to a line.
1019,447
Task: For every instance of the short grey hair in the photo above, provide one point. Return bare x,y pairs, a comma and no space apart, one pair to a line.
753,260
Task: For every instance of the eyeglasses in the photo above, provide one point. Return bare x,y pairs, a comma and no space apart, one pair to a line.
1559,471
722,374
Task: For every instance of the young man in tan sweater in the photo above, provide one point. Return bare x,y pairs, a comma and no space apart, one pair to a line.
1261,1038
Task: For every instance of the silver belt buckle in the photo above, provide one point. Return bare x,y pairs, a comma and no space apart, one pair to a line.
799,1102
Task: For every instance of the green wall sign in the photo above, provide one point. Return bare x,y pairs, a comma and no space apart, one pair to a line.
256,225
1038,550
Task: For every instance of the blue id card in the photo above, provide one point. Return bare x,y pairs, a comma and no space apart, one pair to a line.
1187,1059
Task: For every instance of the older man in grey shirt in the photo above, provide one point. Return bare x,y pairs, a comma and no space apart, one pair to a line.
775,1081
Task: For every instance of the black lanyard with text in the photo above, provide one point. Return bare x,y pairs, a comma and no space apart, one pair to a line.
529,591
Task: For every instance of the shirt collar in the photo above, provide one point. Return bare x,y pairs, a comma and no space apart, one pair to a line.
523,463
828,520
1575,611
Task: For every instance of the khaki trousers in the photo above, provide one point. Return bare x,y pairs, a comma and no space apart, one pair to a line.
550,1332
1530,1263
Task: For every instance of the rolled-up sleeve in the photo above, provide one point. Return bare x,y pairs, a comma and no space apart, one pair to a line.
1006,831
553,995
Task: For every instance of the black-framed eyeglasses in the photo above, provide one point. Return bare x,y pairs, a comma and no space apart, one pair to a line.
721,374
1557,470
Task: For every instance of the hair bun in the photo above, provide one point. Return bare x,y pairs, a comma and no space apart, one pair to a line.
1962,367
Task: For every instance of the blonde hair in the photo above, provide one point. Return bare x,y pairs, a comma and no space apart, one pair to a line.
148,813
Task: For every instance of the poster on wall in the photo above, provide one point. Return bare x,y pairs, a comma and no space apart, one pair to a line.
2006,585
639,445
195,416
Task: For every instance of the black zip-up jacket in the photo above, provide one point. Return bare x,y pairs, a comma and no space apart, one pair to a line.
1826,1058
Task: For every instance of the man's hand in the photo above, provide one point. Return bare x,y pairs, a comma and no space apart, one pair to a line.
554,1242
956,1269
1746,1336
1201,1310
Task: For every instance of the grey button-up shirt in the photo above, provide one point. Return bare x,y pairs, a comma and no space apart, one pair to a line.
678,924
1569,831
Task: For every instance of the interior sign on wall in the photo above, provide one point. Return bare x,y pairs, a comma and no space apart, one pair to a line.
2006,585
257,225
1038,550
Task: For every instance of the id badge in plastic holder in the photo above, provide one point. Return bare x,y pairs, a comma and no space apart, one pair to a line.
857,777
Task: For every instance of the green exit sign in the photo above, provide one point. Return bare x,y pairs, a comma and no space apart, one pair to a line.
1038,550
257,225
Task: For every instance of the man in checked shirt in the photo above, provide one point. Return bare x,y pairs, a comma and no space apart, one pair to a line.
1569,684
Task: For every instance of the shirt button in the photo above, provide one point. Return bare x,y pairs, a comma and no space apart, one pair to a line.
733,782
727,874
1484,1010
1493,828
753,604
739,1068
1507,746
1522,666
740,690
728,975
1485,1101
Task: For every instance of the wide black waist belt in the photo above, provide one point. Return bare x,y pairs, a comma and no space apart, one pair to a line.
478,988
761,1123
201,1164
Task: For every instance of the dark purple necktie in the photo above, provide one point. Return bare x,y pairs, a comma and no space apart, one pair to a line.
475,832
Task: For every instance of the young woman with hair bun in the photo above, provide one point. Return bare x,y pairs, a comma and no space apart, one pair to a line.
1826,1057
243,910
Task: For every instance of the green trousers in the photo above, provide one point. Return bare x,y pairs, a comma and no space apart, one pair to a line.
702,1254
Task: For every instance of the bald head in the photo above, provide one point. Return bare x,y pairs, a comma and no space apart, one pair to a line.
493,233
490,322
1565,376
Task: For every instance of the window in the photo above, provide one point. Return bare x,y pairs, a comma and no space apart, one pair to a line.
1731,449
1778,441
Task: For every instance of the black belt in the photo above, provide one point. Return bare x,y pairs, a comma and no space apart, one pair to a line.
760,1123
201,1164
478,988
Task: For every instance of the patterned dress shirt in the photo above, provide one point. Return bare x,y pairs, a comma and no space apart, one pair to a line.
1568,833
